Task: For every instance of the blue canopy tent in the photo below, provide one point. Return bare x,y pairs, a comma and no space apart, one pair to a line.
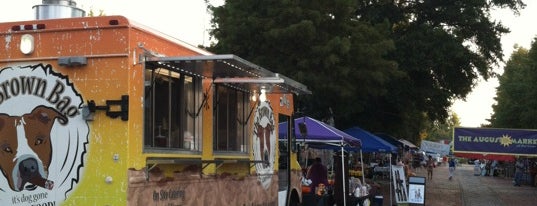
371,142
374,143
390,139
401,147
320,135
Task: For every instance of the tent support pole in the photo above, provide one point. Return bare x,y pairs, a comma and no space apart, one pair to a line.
390,156
343,175
362,161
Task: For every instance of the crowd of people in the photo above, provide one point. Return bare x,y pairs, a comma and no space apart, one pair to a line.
486,167
323,183
522,170
429,163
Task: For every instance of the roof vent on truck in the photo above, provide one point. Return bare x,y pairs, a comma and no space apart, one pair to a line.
23,27
55,9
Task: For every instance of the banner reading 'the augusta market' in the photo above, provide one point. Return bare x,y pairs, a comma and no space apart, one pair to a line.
495,141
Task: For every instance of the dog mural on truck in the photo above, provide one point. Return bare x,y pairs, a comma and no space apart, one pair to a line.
264,143
43,136
26,147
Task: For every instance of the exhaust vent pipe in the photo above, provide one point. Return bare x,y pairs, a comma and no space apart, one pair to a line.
55,9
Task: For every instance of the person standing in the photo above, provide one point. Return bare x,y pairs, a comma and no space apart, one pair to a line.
519,169
483,167
477,170
318,174
430,166
493,166
451,164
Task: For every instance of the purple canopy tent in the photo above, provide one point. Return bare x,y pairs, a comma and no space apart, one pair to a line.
323,136
320,134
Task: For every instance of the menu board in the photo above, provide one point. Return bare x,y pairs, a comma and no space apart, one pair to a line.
399,184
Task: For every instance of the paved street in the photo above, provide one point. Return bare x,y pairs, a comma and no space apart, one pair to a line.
469,190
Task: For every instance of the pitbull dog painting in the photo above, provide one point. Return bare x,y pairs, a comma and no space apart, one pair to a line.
264,143
263,132
25,147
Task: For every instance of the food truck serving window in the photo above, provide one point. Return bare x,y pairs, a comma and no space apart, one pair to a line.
170,102
233,81
232,111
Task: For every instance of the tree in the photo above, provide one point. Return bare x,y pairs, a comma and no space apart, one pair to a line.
516,96
443,47
319,43
387,66
437,130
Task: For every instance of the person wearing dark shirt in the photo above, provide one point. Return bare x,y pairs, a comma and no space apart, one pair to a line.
519,171
430,166
451,167
317,173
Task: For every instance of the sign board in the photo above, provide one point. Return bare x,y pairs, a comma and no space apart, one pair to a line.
435,147
399,184
495,141
416,190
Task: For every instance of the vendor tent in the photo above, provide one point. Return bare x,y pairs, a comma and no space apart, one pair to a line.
408,144
374,143
319,134
390,139
371,142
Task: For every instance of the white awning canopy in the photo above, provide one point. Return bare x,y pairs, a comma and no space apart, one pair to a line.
231,70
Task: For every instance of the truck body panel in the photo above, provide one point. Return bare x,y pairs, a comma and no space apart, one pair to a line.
88,117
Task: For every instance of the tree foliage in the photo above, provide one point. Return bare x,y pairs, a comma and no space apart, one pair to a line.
92,13
436,130
385,65
516,96
442,47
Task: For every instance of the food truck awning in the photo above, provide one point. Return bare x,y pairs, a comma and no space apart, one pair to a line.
230,70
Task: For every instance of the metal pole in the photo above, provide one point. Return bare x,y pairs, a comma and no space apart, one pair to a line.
343,175
290,135
362,161
390,155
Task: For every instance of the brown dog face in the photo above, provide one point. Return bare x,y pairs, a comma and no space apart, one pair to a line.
264,140
26,150
8,146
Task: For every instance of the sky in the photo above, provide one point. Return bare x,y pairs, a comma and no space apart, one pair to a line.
188,21
478,105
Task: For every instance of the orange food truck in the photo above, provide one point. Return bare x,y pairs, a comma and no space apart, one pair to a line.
103,111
